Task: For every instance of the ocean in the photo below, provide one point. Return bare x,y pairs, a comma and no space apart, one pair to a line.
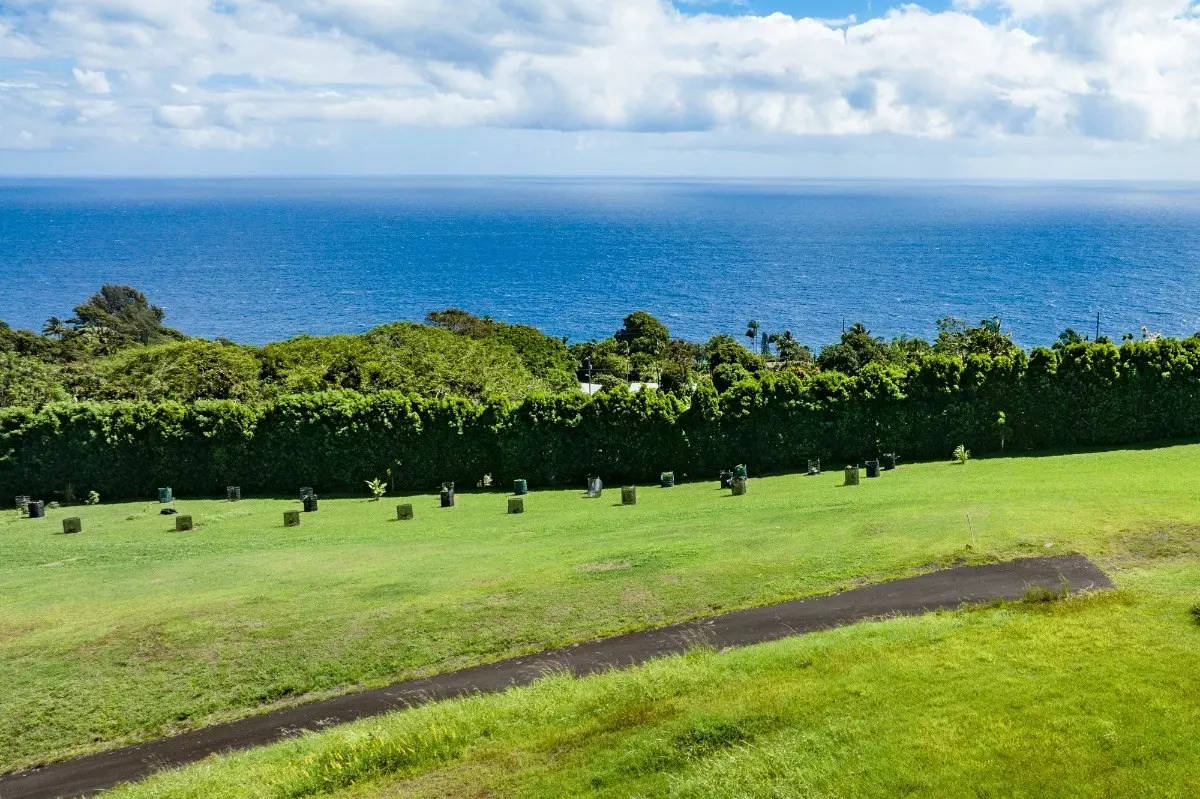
261,260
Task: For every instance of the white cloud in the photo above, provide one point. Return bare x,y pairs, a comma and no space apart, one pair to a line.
179,116
258,72
92,82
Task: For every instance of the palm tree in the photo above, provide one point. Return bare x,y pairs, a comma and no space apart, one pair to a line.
54,327
752,329
787,344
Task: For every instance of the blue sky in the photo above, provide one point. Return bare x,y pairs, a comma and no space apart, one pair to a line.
828,9
977,88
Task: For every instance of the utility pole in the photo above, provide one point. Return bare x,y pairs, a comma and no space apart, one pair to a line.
1097,326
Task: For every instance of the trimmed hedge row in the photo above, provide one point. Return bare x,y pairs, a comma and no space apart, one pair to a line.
1082,395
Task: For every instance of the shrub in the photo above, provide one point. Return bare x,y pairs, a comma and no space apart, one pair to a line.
1082,395
93,498
727,374
378,489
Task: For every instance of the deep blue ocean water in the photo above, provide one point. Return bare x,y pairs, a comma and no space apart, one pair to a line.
259,260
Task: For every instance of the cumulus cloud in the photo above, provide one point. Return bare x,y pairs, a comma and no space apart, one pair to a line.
91,82
254,70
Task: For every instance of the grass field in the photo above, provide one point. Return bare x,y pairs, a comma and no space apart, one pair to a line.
1092,696
132,631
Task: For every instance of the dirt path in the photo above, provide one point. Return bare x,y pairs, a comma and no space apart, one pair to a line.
930,592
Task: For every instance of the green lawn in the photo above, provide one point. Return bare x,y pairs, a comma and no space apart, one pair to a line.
131,631
1092,696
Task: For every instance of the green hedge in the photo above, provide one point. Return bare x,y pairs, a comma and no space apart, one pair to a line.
1082,395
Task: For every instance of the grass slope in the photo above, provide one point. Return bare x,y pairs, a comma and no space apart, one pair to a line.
1092,696
131,631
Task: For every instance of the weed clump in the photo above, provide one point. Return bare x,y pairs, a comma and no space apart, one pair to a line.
1041,594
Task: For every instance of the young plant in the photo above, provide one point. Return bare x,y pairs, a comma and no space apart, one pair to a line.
378,489
961,455
93,498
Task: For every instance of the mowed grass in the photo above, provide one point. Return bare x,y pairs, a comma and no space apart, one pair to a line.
132,631
1090,696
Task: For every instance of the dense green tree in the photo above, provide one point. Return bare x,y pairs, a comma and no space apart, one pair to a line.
642,333
683,354
856,349
673,379
956,338
461,322
546,357
725,349
403,356
28,381
727,374
184,371
122,316
605,357
26,342
908,349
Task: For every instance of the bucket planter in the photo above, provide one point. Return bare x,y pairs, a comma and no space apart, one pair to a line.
165,496
741,471
852,476
291,518
739,486
310,503
516,505
72,526
36,510
22,502
183,523
595,487
872,469
520,487
629,495
404,513
667,479
890,461
814,467
306,491
726,479
233,493
447,495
